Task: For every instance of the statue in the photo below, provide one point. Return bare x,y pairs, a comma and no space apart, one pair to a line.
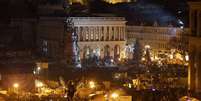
71,49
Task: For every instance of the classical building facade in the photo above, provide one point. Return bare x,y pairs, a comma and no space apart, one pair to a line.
97,36
100,36
158,38
195,47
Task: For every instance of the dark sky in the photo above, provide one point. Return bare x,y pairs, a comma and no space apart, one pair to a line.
149,11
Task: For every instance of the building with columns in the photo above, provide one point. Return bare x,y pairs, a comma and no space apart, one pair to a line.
100,37
194,76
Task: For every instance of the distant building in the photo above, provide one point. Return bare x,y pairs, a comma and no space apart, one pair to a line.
117,1
109,1
195,46
50,37
99,37
158,38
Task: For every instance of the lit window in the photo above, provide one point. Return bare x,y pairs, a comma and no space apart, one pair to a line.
87,36
92,36
45,42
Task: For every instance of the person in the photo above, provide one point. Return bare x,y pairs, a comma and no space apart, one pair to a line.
71,90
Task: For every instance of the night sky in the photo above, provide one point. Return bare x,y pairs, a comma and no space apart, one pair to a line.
146,11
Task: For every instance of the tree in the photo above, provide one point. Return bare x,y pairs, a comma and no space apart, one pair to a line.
137,52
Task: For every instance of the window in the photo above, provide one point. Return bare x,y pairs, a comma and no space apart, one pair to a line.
44,42
113,33
107,33
87,33
102,33
81,31
44,47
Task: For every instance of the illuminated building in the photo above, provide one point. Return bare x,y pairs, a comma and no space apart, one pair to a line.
79,1
100,37
116,1
158,38
194,76
109,1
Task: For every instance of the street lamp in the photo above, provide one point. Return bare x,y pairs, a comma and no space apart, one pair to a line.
92,84
39,84
16,85
38,69
114,95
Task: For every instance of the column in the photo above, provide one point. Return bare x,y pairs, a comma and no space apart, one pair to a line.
90,32
110,28
84,32
89,35
115,33
123,33
93,33
78,32
123,30
105,32
112,52
113,36
99,33
119,34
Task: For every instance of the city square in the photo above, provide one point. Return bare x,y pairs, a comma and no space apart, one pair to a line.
100,50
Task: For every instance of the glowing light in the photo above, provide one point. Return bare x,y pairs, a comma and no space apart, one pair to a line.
179,12
143,59
153,89
92,84
90,95
65,96
147,46
15,85
39,84
180,22
116,1
187,58
105,95
129,85
112,60
114,95
34,72
156,58
171,56
38,68
152,58
122,55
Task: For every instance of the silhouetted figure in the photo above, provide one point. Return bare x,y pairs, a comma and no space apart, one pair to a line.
71,90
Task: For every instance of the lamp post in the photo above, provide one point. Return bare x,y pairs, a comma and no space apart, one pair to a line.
114,96
16,89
